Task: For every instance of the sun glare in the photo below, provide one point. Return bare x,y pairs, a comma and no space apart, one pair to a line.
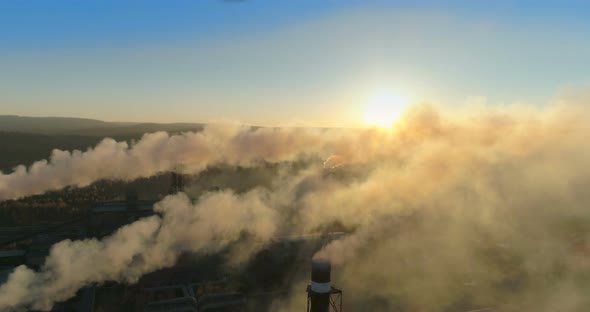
384,108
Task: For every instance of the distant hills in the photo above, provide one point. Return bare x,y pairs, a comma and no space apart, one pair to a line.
83,126
24,140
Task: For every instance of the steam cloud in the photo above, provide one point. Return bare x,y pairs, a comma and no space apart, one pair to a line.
138,248
486,209
189,152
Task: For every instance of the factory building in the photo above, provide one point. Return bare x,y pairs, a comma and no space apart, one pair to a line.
106,217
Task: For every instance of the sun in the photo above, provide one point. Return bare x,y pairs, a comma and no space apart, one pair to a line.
384,108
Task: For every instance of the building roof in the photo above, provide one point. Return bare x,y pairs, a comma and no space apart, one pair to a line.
12,253
123,206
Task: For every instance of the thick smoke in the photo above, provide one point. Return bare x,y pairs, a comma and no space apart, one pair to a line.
141,247
468,213
189,152
450,213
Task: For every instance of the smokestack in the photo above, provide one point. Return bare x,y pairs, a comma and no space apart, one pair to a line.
320,276
177,183
320,291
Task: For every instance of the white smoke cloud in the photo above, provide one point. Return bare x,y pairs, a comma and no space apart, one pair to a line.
140,247
189,152
454,211
468,213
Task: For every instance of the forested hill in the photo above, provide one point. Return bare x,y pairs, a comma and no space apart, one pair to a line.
24,140
47,125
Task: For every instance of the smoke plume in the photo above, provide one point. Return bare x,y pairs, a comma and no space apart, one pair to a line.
139,248
189,152
468,213
446,212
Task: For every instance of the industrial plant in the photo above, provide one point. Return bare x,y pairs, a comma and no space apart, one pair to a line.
289,156
197,282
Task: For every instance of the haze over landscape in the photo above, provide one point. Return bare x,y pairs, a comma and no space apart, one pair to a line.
197,156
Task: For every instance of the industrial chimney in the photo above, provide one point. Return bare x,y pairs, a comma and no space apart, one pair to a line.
321,296
177,185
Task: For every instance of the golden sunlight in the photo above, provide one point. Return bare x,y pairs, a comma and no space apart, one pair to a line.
384,108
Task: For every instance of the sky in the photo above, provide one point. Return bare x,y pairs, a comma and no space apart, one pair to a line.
304,62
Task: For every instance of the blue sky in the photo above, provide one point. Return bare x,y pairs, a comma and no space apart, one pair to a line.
282,62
